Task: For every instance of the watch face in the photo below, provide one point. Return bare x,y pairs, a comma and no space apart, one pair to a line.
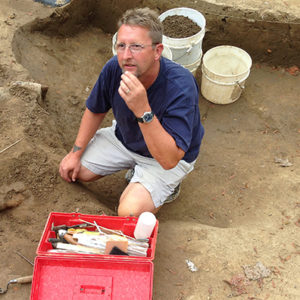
148,117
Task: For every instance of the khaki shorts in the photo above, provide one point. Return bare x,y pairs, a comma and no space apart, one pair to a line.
105,155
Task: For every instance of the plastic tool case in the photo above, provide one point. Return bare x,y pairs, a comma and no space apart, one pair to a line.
92,276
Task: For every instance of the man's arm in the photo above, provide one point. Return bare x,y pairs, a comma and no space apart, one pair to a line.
70,165
160,143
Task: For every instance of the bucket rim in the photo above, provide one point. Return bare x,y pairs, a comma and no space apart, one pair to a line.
234,82
227,46
176,9
184,42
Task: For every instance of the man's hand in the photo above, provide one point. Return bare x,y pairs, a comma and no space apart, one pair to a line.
134,94
70,167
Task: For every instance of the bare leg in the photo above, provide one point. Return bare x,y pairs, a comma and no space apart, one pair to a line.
86,175
134,200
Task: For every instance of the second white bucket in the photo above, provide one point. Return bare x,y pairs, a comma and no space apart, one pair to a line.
224,73
186,51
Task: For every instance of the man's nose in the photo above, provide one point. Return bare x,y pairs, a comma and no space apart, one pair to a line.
127,53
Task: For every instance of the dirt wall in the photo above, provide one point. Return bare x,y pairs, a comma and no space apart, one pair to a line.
277,39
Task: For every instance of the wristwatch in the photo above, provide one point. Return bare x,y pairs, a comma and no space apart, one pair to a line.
147,117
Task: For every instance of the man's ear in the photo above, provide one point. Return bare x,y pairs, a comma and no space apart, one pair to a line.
158,51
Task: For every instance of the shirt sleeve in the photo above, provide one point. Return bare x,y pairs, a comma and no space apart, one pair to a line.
180,115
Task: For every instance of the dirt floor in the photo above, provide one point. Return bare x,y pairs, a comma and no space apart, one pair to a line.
238,215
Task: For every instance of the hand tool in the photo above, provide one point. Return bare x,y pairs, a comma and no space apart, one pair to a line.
107,230
25,279
77,248
63,234
117,251
54,240
25,258
98,228
55,228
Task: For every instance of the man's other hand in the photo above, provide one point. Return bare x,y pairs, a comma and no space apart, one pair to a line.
70,167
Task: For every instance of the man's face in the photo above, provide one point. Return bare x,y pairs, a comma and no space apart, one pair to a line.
137,62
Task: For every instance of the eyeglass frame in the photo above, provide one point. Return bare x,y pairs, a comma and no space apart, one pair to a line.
131,45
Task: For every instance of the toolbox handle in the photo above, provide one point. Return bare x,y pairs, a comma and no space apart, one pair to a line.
92,289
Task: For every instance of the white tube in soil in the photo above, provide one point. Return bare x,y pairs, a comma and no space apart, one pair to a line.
145,225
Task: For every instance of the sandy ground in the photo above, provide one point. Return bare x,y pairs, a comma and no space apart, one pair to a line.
239,207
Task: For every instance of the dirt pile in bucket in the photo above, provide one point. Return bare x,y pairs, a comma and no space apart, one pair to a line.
179,27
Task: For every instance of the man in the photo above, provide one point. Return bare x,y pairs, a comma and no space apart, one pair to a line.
157,129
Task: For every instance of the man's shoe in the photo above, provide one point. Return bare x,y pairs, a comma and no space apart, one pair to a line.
129,174
174,195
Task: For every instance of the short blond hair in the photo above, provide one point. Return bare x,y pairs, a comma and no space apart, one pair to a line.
144,17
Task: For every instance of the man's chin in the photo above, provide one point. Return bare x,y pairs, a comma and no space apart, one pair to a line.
134,72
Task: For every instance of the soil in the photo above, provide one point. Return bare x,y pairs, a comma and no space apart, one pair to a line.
179,27
237,217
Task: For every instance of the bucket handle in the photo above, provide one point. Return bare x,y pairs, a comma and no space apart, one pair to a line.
190,48
238,82
242,87
187,51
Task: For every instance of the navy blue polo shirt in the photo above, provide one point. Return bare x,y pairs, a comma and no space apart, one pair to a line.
173,98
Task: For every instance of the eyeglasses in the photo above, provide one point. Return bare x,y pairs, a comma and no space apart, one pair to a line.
134,48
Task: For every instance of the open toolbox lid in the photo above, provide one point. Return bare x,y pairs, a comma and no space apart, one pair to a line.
70,278
125,224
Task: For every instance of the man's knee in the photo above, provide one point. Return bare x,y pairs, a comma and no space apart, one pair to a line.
135,200
125,210
132,207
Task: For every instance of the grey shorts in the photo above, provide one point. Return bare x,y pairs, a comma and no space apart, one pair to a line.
105,155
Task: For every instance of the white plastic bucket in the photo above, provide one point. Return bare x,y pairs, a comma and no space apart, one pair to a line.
166,52
224,73
186,51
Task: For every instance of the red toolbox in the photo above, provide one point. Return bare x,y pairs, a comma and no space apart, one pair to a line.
92,276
